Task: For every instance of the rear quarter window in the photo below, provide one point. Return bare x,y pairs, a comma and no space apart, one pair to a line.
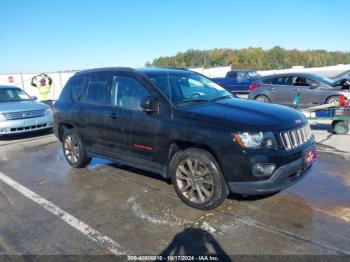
267,80
98,91
75,85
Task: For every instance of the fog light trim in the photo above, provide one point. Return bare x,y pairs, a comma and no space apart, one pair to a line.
263,169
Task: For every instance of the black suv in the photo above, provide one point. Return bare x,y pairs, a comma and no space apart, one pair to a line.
183,126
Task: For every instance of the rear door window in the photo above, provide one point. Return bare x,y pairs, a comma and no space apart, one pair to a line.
242,77
232,75
283,81
98,91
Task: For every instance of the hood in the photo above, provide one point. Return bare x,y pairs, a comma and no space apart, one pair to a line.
245,115
21,106
344,88
341,84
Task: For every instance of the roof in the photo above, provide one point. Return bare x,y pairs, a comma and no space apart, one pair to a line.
159,70
292,74
143,70
243,70
102,69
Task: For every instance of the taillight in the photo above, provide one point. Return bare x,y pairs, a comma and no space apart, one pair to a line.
253,86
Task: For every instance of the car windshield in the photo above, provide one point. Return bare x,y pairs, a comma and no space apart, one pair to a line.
187,87
13,95
323,79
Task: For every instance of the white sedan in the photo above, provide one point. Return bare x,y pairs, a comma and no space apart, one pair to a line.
20,113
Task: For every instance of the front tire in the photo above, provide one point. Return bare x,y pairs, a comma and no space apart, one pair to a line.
197,179
340,127
74,149
333,99
263,98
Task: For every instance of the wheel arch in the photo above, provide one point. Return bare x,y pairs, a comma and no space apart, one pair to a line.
262,94
177,146
61,129
331,96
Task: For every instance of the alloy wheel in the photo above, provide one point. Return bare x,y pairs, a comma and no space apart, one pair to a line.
71,149
194,181
262,99
333,100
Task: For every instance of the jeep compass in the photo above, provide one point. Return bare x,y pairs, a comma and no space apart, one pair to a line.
183,126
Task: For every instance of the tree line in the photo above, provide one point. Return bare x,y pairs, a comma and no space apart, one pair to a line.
253,58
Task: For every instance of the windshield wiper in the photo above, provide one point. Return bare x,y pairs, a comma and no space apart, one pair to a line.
202,100
221,97
193,101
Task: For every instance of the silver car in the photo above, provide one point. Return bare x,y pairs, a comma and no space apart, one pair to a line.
19,113
304,89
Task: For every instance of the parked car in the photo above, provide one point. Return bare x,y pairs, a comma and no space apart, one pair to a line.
185,127
20,113
312,89
239,81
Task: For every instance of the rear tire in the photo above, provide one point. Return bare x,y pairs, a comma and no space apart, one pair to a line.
262,98
197,179
74,149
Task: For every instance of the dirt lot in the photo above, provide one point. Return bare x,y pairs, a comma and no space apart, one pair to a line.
48,208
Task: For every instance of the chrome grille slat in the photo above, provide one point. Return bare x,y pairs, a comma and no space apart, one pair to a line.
298,138
289,140
295,137
285,140
24,114
303,137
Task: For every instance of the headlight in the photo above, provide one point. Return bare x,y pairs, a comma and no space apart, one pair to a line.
48,111
2,117
256,140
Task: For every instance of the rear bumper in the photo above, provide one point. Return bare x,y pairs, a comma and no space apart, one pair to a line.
284,177
25,125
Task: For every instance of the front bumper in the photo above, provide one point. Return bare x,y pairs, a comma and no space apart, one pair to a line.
25,125
284,177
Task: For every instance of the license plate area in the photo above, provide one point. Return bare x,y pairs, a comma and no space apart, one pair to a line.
310,156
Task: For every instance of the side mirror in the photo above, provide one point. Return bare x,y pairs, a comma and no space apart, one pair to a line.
149,104
34,97
313,86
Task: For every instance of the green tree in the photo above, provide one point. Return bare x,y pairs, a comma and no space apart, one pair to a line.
253,58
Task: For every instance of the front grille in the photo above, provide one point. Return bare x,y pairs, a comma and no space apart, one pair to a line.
296,137
19,129
24,114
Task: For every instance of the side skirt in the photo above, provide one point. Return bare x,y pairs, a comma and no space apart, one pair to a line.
131,161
